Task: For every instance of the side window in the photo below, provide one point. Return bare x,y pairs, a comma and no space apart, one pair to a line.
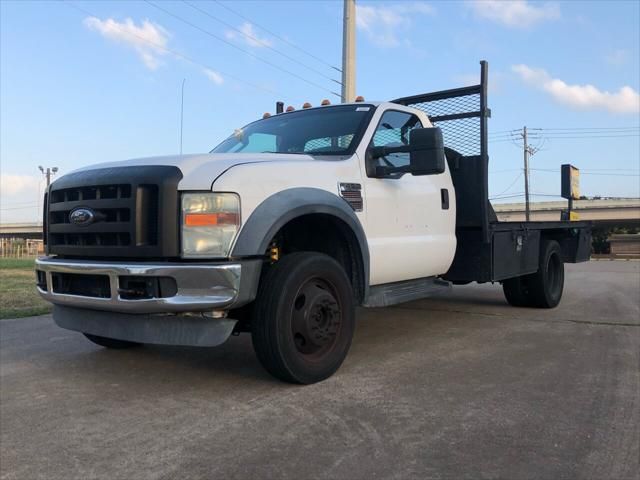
393,131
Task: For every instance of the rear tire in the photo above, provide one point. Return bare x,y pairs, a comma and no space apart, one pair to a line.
304,318
111,342
542,289
515,291
547,284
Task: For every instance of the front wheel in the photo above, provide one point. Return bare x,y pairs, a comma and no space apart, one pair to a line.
304,318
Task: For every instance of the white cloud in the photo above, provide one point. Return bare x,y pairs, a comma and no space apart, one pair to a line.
20,197
249,35
515,13
214,76
149,40
617,58
17,184
383,24
584,97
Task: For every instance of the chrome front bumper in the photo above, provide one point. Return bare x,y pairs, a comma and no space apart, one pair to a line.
200,287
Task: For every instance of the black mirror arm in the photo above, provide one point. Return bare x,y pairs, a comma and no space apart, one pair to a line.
377,152
386,171
383,151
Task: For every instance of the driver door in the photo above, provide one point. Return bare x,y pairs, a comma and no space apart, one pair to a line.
410,234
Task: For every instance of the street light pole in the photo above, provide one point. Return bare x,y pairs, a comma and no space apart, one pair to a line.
48,172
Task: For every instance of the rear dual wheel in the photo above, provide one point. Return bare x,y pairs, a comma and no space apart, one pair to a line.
304,318
542,289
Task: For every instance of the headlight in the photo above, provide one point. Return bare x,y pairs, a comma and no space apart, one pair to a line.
210,222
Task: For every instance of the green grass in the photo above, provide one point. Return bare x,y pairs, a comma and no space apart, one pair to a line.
18,296
17,263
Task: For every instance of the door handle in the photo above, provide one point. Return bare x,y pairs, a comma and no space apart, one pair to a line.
444,198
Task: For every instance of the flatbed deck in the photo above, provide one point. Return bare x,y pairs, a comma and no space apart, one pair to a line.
535,225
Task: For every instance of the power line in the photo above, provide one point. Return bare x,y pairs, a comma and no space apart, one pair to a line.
288,42
510,185
575,131
35,205
20,203
610,170
260,41
233,45
560,137
548,170
503,135
513,195
178,54
590,128
502,131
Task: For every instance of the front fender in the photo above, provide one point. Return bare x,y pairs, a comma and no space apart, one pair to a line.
278,209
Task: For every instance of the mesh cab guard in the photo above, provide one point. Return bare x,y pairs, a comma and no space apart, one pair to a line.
462,114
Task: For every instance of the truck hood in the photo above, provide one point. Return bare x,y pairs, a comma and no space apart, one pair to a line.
201,170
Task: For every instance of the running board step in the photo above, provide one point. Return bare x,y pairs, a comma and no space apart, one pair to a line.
405,291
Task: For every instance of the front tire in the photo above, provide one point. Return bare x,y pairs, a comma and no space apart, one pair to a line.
110,342
304,318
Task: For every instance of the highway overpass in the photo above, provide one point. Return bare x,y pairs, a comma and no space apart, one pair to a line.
21,230
602,212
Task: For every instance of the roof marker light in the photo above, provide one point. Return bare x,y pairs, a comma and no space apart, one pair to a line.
306,105
266,115
290,108
359,98
325,102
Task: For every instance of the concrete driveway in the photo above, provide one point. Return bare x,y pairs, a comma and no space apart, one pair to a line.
462,386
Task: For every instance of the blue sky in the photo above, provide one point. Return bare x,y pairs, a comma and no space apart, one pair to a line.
86,87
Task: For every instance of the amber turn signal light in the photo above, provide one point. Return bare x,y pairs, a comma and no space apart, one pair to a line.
206,219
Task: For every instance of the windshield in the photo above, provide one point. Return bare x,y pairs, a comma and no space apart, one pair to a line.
322,131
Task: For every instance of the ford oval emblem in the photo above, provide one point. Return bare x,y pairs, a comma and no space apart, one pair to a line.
82,217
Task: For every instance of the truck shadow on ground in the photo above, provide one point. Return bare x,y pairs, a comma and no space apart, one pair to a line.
380,330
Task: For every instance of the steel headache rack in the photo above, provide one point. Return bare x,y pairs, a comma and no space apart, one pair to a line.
487,250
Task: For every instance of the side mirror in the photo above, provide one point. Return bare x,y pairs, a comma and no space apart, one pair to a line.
426,156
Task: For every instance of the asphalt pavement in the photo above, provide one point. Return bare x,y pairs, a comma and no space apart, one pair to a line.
459,386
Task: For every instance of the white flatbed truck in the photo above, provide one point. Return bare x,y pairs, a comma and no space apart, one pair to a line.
288,225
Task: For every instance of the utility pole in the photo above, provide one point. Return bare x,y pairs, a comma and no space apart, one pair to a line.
349,51
526,172
47,173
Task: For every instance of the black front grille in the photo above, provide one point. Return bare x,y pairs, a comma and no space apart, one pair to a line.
111,205
134,212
